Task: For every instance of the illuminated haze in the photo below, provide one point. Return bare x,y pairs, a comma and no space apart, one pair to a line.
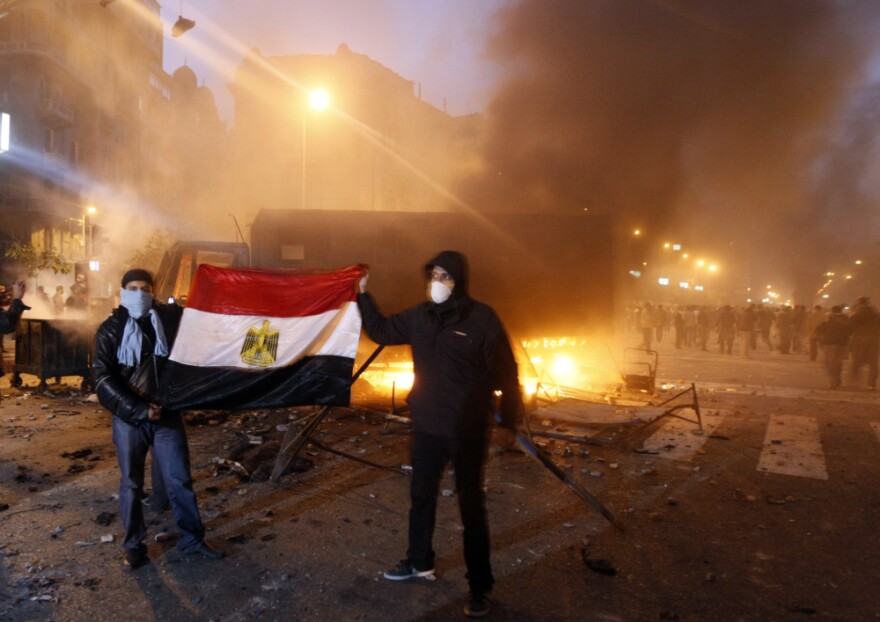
748,128
742,129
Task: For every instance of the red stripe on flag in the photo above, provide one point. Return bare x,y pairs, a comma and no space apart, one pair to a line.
273,293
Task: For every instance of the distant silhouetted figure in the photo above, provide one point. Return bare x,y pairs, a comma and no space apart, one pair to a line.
660,320
42,296
798,317
726,329
834,335
745,324
811,322
58,300
765,318
702,327
79,293
865,324
678,325
785,329
647,321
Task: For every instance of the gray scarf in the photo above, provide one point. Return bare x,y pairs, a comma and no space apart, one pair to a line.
129,352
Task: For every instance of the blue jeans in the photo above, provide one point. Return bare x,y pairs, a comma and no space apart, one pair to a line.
170,450
430,454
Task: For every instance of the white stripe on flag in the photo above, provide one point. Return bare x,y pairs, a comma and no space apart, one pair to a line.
215,340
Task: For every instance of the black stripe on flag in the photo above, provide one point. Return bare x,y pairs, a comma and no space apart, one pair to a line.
313,381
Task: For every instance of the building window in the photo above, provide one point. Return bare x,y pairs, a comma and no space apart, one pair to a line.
49,140
73,155
157,84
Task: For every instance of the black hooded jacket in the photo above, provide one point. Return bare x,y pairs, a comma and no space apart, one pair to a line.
127,391
9,318
461,355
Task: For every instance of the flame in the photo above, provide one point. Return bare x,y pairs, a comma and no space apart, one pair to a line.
396,375
566,361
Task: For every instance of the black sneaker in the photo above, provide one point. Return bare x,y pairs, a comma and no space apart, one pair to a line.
135,558
405,570
478,606
205,550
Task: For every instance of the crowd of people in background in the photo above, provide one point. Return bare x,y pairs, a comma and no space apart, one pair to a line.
839,332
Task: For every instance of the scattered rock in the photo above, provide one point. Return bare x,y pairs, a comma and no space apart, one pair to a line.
601,566
76,455
105,518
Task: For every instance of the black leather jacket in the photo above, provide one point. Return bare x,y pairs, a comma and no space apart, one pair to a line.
127,391
9,318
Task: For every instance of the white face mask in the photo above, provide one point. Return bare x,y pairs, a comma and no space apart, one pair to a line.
439,292
136,302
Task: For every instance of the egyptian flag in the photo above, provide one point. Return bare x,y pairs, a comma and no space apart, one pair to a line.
264,339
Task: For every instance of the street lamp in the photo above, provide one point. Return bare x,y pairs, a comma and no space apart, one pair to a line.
318,99
91,210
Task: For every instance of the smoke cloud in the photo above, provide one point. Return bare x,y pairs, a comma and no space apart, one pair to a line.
747,128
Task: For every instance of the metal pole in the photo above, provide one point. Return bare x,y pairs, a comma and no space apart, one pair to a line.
303,203
85,237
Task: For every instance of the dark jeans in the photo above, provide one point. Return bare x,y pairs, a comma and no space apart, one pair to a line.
170,450
158,498
430,454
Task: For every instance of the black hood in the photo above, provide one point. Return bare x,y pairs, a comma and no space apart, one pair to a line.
456,265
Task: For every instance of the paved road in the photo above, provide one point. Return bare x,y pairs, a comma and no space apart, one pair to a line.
770,514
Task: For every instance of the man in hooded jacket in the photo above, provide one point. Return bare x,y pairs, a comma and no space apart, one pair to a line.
131,348
461,356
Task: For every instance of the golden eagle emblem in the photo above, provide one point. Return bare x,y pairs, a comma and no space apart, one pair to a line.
260,346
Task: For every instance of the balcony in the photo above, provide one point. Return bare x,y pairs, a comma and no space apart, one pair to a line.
55,113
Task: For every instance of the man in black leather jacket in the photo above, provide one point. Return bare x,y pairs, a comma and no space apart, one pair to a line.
461,356
9,318
131,349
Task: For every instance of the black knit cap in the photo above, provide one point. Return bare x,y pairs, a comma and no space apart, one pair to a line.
137,275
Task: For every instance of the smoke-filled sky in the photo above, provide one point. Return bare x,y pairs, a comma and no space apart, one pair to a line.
746,128
743,128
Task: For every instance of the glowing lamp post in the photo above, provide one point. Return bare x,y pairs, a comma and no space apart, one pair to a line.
88,228
319,99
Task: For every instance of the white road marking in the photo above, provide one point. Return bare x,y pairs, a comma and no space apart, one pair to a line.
677,440
793,447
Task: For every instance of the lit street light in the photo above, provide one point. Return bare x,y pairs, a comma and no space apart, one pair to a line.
318,99
88,228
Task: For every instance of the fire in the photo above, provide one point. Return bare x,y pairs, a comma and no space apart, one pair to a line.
394,375
565,361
